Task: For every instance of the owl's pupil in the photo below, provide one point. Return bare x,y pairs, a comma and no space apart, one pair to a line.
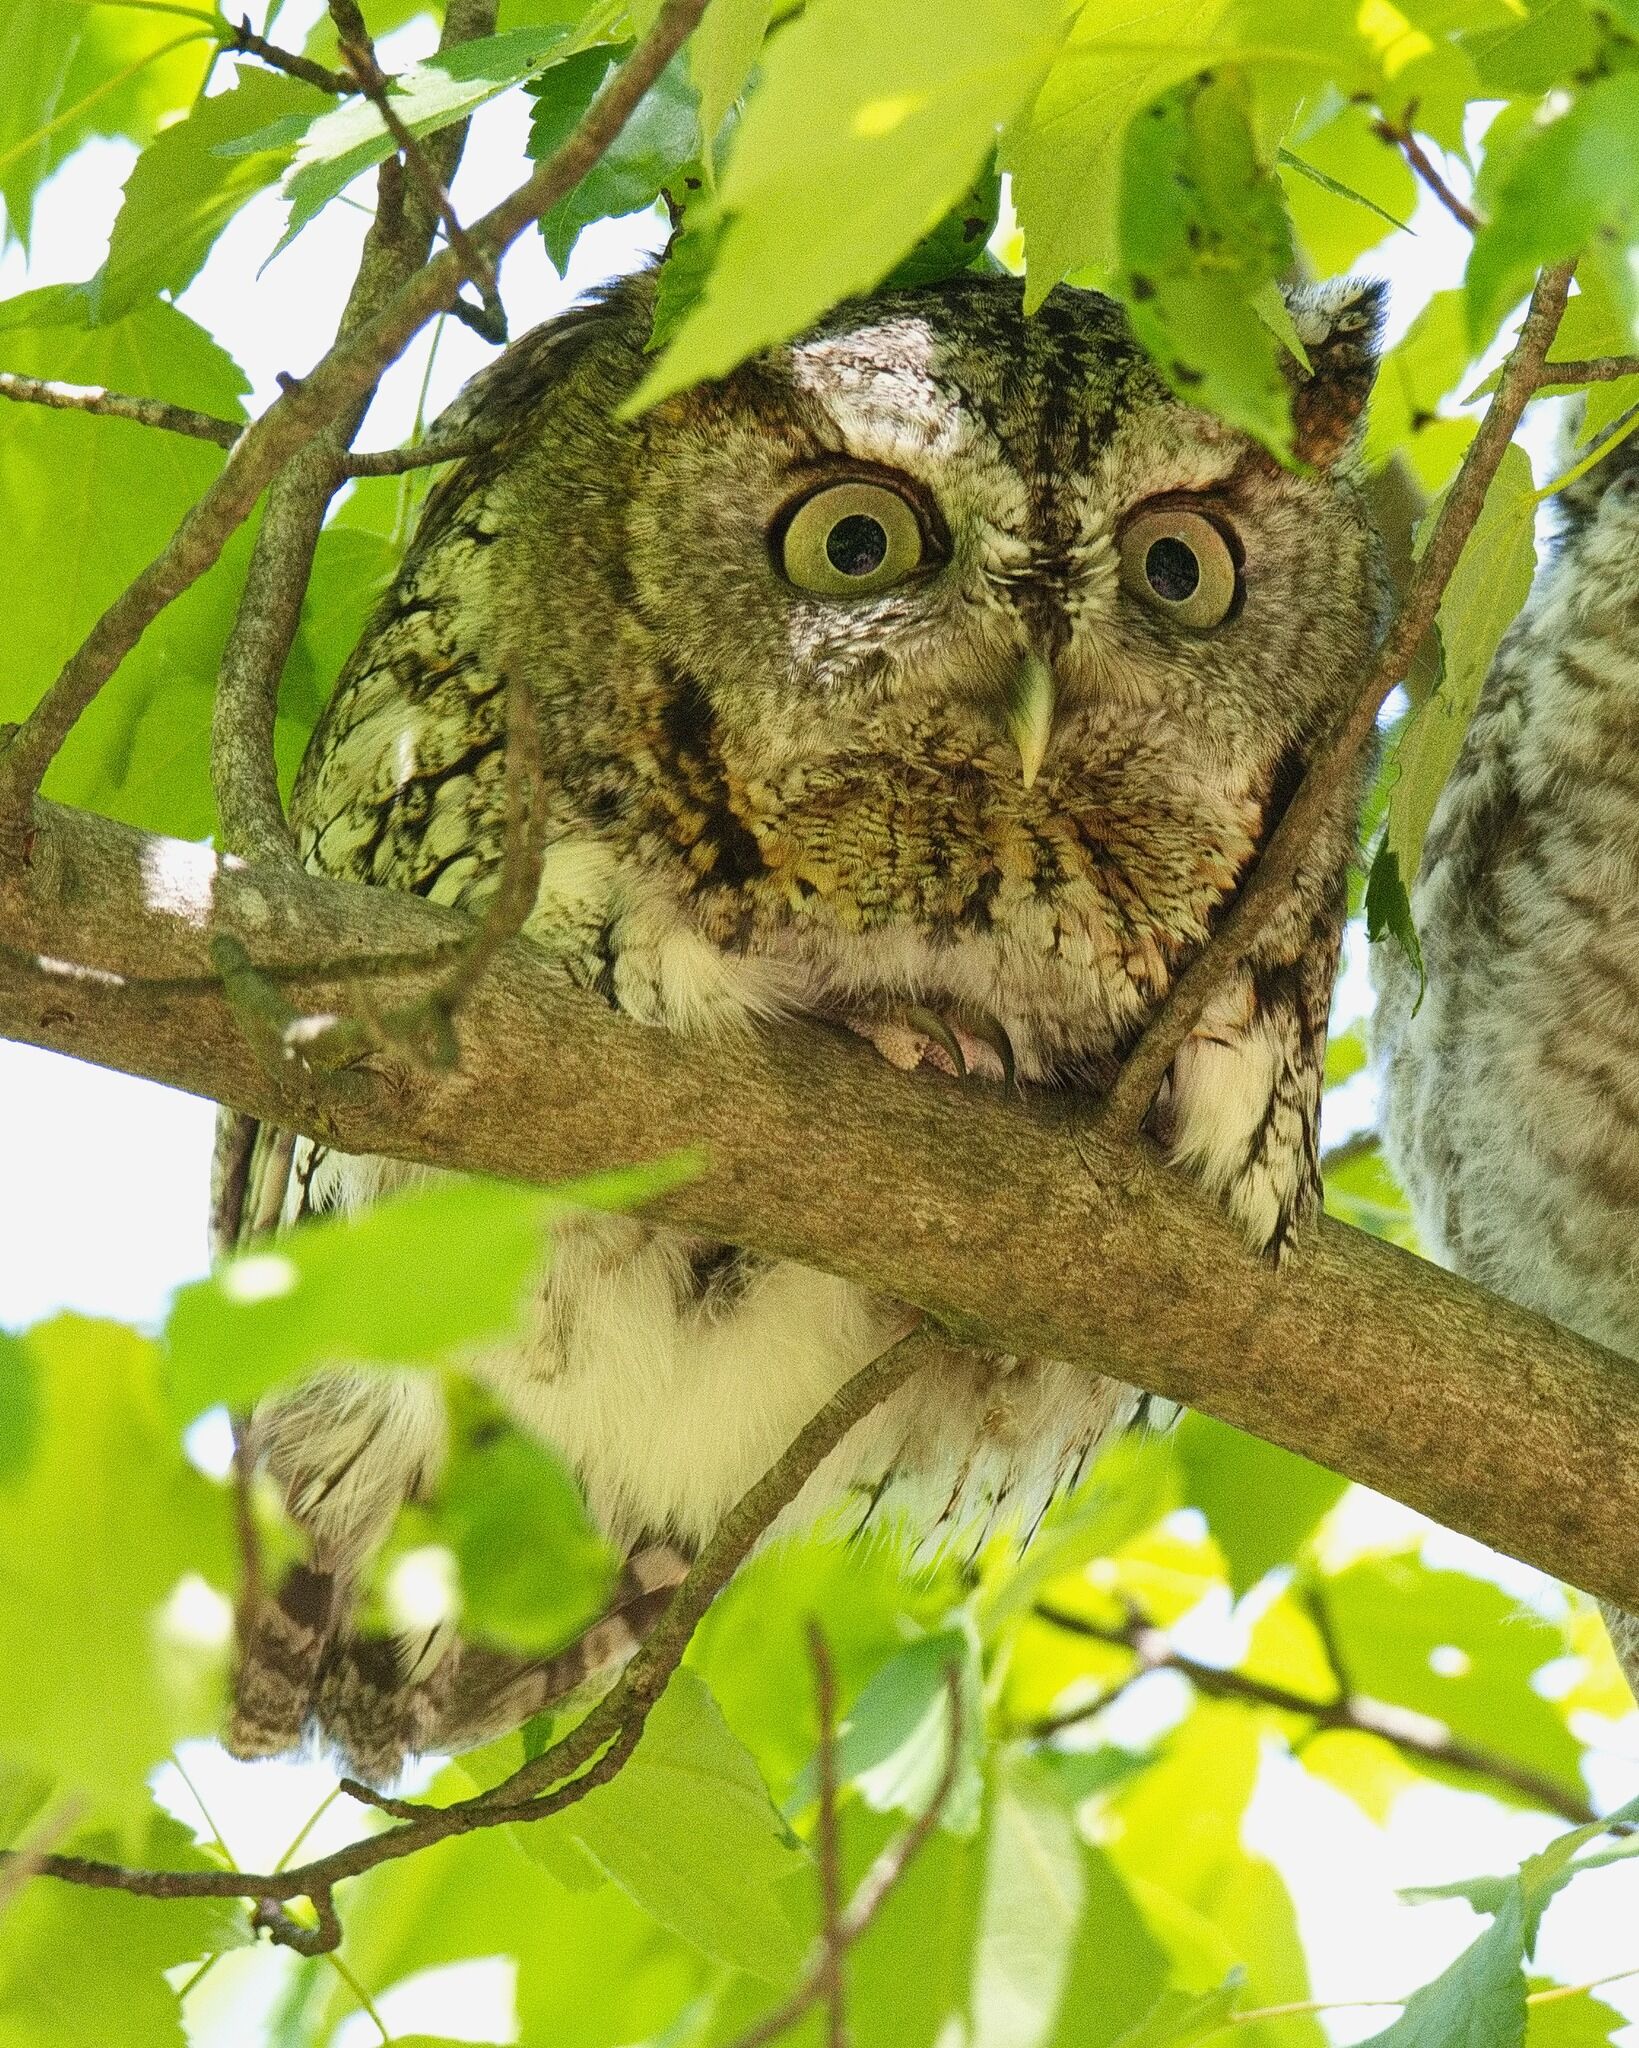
857,545
1172,570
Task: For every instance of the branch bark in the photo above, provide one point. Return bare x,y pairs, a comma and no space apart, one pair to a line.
1018,1224
146,412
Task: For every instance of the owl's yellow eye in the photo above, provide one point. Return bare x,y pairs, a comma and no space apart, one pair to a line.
851,539
1180,562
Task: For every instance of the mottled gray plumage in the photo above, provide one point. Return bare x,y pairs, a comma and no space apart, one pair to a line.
865,694
1512,1095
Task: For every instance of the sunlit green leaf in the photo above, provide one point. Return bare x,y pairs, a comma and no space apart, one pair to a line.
661,137
1260,1501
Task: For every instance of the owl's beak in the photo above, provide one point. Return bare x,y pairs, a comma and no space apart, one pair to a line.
1030,707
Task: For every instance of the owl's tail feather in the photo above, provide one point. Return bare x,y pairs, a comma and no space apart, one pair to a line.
298,1674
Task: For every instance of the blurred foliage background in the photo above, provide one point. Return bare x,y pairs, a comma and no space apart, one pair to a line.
1207,1624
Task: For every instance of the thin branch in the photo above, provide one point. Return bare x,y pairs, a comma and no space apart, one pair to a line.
245,39
1588,370
345,374
832,1988
871,1894
146,412
243,769
360,54
1357,1145
1402,138
422,455
1414,1734
1267,887
586,1757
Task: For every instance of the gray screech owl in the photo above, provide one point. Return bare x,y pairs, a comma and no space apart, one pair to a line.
1512,1094
938,674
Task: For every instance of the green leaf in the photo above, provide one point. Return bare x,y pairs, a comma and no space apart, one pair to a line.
343,143
1392,1614
410,1281
19,1409
872,119
185,188
662,136
1425,367
1345,1055
1065,155
72,72
1574,2020
534,1571
1476,2002
85,503
1203,230
689,258
1388,910
895,1739
1346,189
1261,1503
1491,582
94,1540
687,1829
1568,187
721,54
1179,2018
1030,1908
958,242
1118,1971
83,1969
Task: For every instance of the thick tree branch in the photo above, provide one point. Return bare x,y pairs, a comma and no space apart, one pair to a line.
1414,1734
243,769
1011,1221
306,408
1267,887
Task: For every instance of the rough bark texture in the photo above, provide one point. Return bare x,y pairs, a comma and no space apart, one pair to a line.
1015,1224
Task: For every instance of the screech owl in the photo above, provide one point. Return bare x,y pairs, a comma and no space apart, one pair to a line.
1511,1094
938,674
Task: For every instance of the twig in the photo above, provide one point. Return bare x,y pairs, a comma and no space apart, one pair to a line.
871,1894
243,769
1266,887
588,1755
244,38
832,1988
360,53
395,461
146,412
31,1858
343,376
1423,164
1588,370
1415,1734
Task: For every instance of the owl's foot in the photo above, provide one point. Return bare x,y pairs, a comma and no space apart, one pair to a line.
966,1044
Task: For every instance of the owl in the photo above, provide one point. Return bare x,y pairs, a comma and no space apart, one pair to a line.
938,676
1511,1094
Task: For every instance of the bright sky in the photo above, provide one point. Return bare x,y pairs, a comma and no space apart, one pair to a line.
103,1203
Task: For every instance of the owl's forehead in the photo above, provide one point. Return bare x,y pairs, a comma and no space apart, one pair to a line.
921,379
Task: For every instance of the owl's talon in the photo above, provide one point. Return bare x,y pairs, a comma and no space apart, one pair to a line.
991,1031
932,1025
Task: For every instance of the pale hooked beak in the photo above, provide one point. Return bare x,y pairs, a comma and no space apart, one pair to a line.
1030,709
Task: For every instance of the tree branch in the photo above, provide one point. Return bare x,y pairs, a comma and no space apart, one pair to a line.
589,1755
146,412
1267,886
1414,1734
1424,166
307,406
1010,1220
243,769
844,1927
245,39
1588,370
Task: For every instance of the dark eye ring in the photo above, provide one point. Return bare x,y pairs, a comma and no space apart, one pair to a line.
1180,563
852,538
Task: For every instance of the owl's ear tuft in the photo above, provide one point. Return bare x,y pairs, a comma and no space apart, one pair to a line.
1340,324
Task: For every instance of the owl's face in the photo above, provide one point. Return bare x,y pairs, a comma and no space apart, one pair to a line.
939,528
